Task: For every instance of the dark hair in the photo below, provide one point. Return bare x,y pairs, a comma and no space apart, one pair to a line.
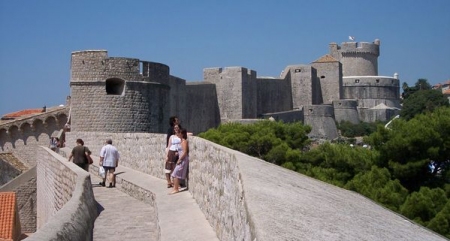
172,120
109,141
80,141
183,132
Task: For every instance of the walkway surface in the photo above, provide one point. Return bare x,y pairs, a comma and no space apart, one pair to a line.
123,217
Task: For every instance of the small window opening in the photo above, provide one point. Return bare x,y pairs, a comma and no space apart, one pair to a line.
378,80
322,77
356,80
114,86
298,70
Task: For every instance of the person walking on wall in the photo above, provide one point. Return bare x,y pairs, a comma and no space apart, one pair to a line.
109,159
81,155
54,144
180,171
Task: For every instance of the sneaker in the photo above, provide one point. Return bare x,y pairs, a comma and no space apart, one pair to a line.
101,184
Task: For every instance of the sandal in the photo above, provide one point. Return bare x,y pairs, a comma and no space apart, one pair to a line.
169,185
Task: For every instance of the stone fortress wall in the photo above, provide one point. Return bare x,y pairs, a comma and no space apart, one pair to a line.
130,95
116,94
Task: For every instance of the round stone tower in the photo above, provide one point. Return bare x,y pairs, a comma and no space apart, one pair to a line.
357,58
109,94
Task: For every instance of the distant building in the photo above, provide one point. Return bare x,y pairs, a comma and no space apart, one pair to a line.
445,87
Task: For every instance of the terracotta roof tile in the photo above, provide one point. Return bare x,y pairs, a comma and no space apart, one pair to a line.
7,215
23,113
446,92
326,59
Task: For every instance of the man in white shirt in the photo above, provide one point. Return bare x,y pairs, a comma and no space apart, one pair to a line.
109,159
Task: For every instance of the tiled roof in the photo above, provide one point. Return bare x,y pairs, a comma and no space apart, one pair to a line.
326,59
7,215
446,92
440,85
22,113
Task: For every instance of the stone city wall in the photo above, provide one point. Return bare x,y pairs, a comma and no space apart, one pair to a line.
321,120
204,114
66,207
329,76
231,84
139,151
214,179
372,115
274,95
346,110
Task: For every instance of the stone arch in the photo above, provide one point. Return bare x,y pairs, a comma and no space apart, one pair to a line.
62,120
50,124
14,134
115,86
3,138
25,131
37,127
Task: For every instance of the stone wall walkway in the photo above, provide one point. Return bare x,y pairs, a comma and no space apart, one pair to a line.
122,217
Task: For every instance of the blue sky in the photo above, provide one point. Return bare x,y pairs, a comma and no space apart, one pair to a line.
38,37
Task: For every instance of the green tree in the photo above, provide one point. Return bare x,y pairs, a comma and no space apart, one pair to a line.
377,185
410,148
441,222
424,205
422,101
335,163
268,140
421,84
349,129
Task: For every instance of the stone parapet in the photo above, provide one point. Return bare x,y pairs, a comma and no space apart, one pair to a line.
65,200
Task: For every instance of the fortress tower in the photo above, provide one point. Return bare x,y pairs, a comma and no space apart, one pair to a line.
357,58
117,94
236,91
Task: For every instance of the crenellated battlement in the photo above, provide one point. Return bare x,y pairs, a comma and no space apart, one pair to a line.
357,58
349,48
95,65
